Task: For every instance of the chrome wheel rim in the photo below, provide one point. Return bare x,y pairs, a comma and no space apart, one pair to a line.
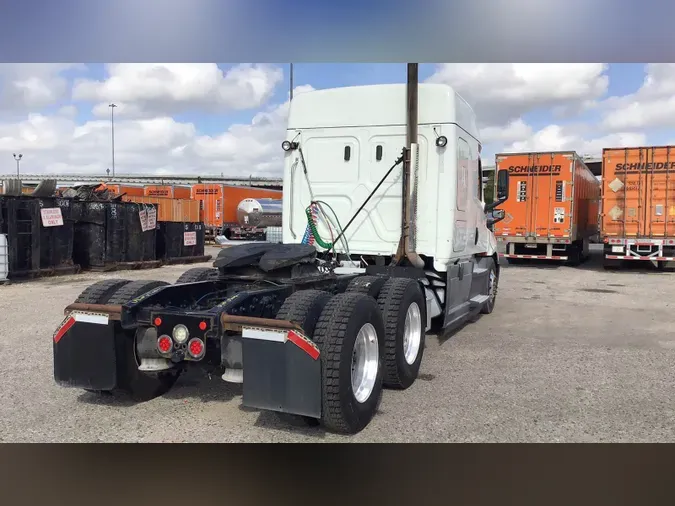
412,333
365,363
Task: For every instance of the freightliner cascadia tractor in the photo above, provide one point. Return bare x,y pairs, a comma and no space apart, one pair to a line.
385,237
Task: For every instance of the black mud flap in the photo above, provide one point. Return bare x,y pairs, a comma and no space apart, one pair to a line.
84,352
282,372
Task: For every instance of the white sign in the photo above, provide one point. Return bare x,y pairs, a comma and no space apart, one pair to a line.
190,238
51,217
143,215
152,218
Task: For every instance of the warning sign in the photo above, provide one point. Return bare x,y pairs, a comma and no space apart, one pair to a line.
152,218
190,238
143,215
51,217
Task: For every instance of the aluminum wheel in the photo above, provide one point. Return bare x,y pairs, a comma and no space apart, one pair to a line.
492,285
412,333
365,363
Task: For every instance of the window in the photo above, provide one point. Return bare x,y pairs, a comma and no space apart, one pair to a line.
348,153
378,153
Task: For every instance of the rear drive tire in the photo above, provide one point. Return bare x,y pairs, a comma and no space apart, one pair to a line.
101,291
197,274
367,285
138,385
134,289
493,285
350,336
403,307
303,308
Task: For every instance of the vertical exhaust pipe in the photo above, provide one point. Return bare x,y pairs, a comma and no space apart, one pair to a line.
409,218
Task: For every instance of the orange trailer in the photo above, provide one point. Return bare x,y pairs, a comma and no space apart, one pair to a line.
218,204
638,205
167,191
552,212
173,210
119,189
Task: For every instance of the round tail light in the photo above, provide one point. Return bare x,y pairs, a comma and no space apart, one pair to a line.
202,325
158,321
196,348
164,344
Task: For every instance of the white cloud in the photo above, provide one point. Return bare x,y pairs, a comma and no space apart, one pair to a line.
514,131
560,138
148,89
503,92
652,106
30,86
159,145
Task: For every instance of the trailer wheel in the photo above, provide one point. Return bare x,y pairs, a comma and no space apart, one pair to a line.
304,308
101,291
403,309
493,286
133,290
350,336
197,274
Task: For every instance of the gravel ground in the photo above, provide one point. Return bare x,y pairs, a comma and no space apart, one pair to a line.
568,355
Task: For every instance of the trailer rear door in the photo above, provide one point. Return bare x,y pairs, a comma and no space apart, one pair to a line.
540,204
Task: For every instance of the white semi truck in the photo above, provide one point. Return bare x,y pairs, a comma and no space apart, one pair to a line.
385,234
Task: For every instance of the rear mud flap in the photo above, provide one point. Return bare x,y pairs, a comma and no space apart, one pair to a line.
84,352
282,372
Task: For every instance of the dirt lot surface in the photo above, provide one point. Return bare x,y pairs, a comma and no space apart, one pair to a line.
569,354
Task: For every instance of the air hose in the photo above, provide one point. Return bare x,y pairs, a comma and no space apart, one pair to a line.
314,232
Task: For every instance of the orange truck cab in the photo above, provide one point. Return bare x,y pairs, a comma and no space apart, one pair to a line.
552,213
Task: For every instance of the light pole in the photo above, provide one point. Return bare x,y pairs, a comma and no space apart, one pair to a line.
18,160
112,134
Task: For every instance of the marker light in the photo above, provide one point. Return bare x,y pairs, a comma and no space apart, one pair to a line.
158,321
180,333
202,325
196,348
164,344
441,141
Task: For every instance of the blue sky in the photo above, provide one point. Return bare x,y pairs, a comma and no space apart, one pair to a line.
198,117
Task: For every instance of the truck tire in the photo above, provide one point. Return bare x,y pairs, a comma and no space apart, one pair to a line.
368,285
138,385
133,290
304,308
349,318
197,274
403,308
101,291
493,286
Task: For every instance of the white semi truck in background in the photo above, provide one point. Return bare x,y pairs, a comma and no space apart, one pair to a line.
385,233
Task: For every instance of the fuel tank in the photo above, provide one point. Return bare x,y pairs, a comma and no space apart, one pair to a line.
259,213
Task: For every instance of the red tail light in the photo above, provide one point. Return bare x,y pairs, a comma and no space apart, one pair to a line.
196,348
164,344
202,325
158,321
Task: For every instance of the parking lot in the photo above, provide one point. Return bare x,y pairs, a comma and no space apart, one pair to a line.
569,354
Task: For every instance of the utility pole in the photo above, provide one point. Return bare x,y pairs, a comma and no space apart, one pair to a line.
18,160
291,83
112,134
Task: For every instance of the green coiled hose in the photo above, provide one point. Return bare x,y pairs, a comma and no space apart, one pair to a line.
315,232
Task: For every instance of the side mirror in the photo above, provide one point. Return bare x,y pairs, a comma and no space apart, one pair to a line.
494,216
502,190
502,185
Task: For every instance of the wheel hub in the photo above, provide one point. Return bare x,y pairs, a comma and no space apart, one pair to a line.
365,363
492,285
412,333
